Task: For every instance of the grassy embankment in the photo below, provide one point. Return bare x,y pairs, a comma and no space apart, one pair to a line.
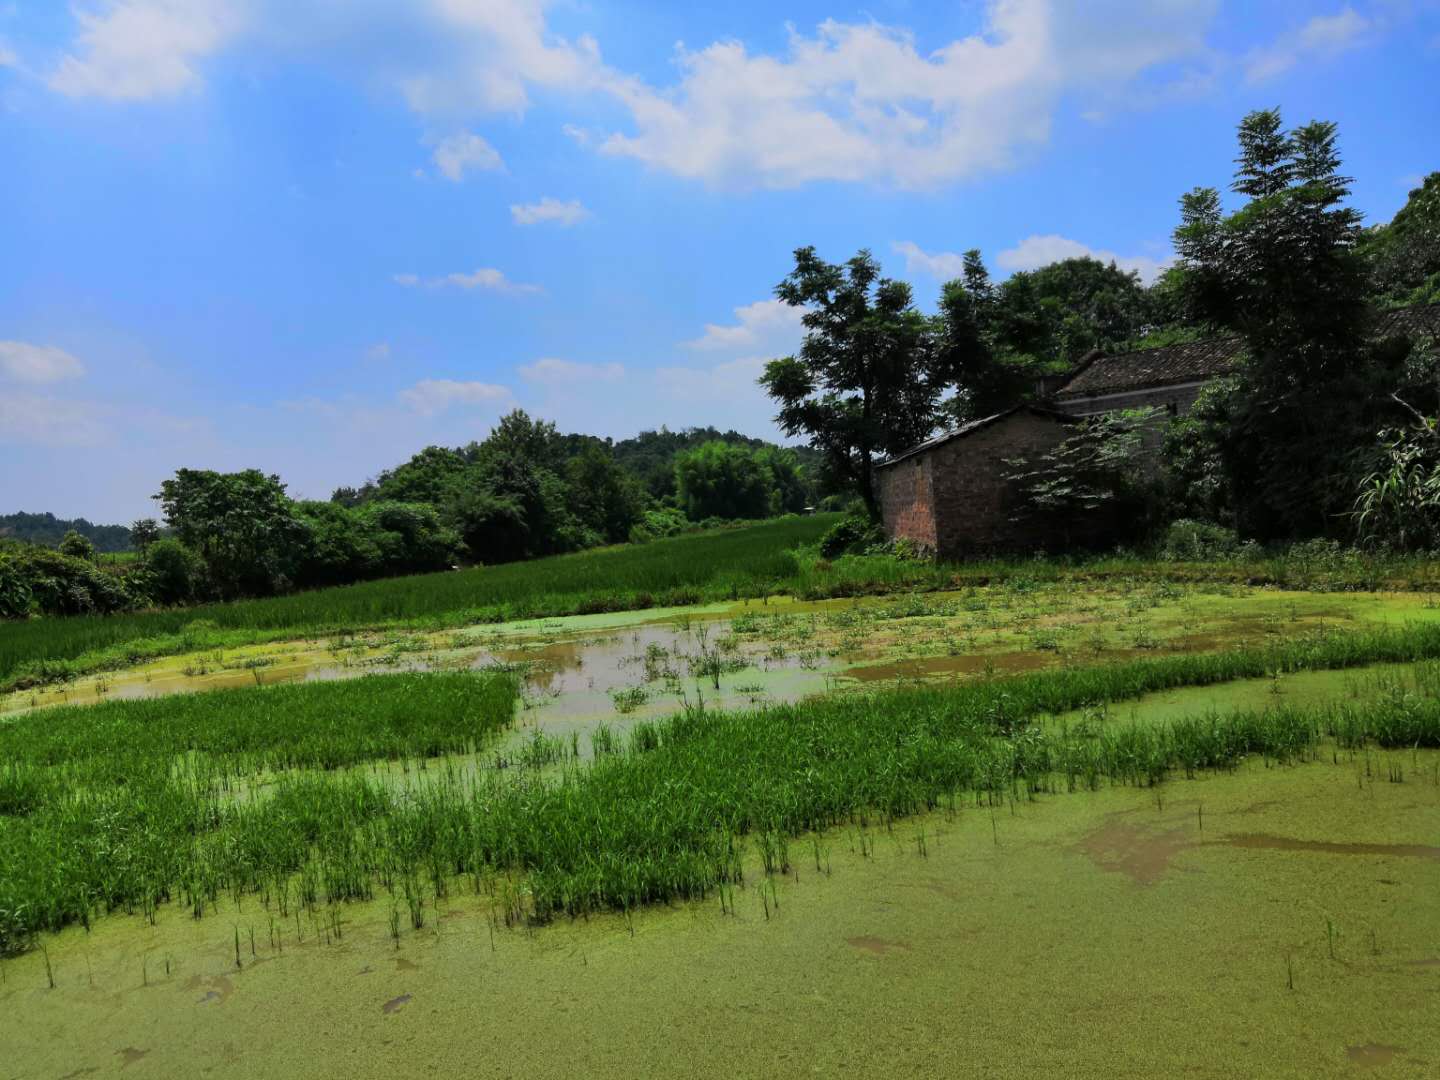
129,805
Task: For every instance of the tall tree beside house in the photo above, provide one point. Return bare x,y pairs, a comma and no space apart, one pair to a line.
965,336
868,381
1284,274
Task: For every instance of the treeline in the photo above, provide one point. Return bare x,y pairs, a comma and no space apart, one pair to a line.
524,492
49,530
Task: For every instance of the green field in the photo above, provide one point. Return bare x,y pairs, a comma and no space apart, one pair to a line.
1083,771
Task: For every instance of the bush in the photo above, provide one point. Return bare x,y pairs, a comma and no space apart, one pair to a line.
851,535
77,546
1188,540
37,580
658,524
16,599
175,572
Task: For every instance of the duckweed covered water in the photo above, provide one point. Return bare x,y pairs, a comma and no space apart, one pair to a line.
1023,944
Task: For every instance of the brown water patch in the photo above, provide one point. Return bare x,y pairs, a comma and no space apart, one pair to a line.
1327,847
1371,1055
1429,961
969,664
394,1005
129,1055
876,946
86,1071
1143,855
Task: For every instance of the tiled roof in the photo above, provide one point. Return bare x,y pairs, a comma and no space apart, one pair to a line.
976,425
1189,361
1420,319
1196,361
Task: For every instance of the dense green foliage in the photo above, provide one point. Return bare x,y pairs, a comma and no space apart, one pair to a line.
650,457
720,480
1277,445
868,381
48,530
525,492
1405,253
127,807
1399,501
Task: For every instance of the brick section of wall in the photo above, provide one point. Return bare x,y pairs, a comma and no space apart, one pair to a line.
906,503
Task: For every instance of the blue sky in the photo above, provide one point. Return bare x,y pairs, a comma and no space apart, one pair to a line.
314,236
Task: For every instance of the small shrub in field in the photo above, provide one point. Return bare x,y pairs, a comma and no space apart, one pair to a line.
850,535
1188,540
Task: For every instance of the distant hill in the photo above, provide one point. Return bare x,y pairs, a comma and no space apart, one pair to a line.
47,529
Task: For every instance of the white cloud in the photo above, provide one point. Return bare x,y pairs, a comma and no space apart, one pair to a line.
28,363
549,210
498,49
431,396
944,265
484,278
764,321
1323,36
7,55
1036,251
465,152
553,371
138,49
849,101
863,102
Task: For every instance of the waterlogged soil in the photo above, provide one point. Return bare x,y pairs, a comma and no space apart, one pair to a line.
1278,922
578,672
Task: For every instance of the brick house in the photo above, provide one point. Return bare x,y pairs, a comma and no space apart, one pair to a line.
950,496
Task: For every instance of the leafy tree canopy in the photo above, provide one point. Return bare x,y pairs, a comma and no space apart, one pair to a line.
868,380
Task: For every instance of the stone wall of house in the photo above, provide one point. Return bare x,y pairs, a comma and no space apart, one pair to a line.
956,500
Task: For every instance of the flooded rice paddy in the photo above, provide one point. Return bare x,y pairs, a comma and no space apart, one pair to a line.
582,671
1264,922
